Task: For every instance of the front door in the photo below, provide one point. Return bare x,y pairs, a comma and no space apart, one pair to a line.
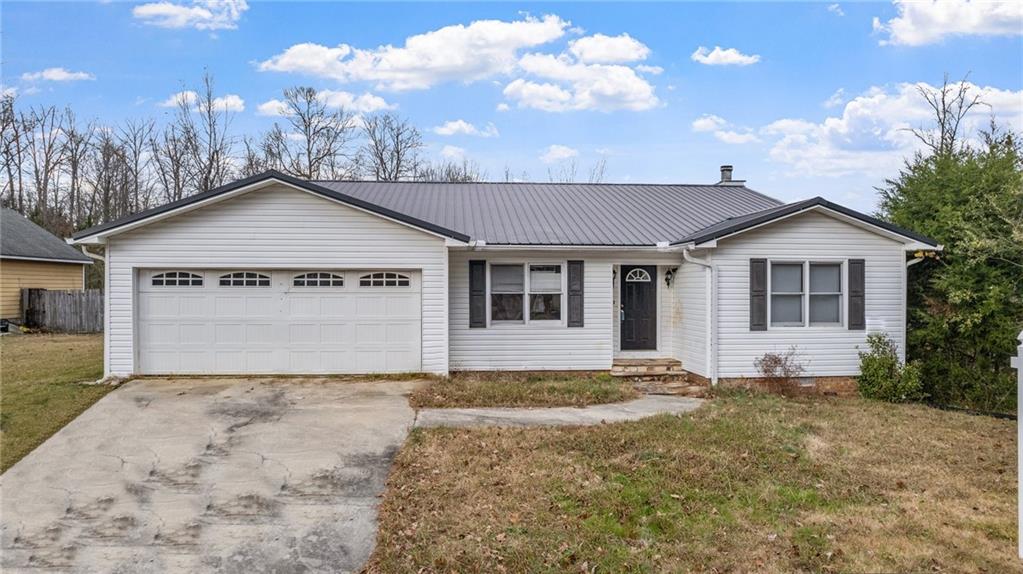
639,307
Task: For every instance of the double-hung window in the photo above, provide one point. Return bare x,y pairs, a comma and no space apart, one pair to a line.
525,292
507,288
801,289
545,292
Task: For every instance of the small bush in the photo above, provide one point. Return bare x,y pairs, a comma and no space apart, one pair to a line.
884,377
780,371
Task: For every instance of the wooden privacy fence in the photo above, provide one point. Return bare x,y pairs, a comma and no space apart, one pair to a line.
63,311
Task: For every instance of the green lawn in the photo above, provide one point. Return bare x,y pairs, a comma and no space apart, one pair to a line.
745,484
40,390
510,389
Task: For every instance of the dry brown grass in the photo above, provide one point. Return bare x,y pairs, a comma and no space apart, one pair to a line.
511,389
40,388
746,484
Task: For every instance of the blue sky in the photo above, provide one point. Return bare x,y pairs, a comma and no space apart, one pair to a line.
803,98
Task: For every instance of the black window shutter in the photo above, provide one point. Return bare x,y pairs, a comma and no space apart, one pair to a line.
575,293
757,294
477,293
857,295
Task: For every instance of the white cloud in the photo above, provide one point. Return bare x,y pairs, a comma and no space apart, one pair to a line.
872,135
452,152
175,100
723,57
366,103
836,99
723,130
735,137
601,49
480,50
200,14
835,9
652,70
503,107
708,123
462,127
227,103
556,153
56,75
579,86
920,23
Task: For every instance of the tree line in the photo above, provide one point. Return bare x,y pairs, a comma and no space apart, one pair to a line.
66,173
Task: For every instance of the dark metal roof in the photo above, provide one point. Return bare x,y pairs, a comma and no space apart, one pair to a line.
562,214
736,224
307,185
20,238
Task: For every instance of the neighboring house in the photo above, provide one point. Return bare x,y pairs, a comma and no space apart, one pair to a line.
31,257
272,274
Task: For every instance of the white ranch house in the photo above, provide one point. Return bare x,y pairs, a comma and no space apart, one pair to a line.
272,274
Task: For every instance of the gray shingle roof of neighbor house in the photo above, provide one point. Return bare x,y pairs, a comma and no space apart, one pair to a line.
22,239
744,222
530,213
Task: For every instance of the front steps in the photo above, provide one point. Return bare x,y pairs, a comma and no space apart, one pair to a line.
646,367
660,377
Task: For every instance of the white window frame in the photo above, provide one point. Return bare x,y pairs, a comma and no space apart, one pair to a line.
371,277
843,264
332,276
260,275
192,276
526,292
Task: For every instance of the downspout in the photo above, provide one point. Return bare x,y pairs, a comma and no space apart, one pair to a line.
711,303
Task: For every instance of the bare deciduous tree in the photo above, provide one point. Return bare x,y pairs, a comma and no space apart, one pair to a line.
392,148
78,149
170,159
451,171
315,141
206,140
44,139
951,103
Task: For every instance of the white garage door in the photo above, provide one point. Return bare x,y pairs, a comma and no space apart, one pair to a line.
260,321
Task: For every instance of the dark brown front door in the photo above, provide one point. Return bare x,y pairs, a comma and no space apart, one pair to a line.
639,307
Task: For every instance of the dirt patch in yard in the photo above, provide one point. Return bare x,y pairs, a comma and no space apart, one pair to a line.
523,389
748,483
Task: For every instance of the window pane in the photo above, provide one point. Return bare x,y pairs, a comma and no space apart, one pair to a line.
786,278
506,279
825,278
505,307
825,309
545,278
545,306
786,309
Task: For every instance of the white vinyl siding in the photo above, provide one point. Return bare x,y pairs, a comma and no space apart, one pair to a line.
550,345
277,227
824,350
690,318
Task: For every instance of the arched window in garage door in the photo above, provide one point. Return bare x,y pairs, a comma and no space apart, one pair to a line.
318,279
244,279
177,279
385,279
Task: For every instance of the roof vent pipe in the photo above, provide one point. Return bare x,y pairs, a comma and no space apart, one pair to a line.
726,173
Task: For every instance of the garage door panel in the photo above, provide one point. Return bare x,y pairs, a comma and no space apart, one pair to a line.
229,306
282,328
260,334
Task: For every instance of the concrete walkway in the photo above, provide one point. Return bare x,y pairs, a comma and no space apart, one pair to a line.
643,407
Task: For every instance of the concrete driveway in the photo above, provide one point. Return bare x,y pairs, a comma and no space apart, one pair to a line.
209,475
